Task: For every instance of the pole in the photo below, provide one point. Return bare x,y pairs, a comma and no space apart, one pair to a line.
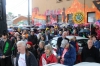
90,27
84,10
28,12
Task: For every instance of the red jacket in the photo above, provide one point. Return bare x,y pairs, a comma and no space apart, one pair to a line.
50,59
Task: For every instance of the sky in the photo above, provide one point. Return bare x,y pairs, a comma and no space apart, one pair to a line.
18,7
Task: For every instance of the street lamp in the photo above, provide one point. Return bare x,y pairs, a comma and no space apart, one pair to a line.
28,12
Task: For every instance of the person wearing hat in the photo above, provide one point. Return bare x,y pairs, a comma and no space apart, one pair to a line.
67,53
33,38
6,51
31,48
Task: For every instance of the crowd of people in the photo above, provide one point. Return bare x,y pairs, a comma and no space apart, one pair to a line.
32,47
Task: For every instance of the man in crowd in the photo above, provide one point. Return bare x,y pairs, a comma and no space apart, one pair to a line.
90,53
47,37
61,38
24,57
6,51
33,38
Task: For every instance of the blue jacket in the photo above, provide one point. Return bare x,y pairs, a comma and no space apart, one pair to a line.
97,44
69,57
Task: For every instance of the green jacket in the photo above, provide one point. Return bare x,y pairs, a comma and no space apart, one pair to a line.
7,48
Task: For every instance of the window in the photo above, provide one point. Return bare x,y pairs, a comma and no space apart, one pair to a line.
58,1
92,15
59,18
70,18
48,18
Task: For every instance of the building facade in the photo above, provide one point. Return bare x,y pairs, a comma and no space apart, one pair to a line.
76,11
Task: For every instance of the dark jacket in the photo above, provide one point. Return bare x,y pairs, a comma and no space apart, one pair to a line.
59,41
1,47
49,37
30,59
33,50
33,39
7,48
40,52
90,53
14,50
69,57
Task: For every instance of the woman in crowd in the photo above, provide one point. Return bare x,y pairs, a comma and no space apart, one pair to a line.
75,32
25,32
40,49
74,43
24,38
31,48
42,38
48,57
68,54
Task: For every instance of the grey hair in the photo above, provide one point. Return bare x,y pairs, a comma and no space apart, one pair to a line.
49,47
42,42
21,43
64,42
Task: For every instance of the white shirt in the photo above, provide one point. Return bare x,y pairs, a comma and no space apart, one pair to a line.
22,61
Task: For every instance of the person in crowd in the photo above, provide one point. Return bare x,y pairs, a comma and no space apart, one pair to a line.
18,38
24,38
90,53
25,33
90,37
39,36
96,43
31,48
52,31
98,33
40,49
48,57
55,31
33,38
47,37
14,38
60,33
61,38
74,43
24,57
6,51
75,32
42,38
1,47
67,54
1,44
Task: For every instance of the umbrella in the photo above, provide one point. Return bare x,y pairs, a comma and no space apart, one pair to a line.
25,28
42,27
10,30
97,22
75,25
38,24
84,31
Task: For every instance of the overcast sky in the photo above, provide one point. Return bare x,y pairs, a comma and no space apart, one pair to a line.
17,6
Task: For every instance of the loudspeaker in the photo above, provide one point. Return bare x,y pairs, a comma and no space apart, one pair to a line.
3,24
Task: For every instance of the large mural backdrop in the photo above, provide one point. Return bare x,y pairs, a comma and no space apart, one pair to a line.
78,10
